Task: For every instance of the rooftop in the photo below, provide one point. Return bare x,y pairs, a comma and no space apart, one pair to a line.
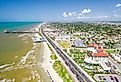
92,45
100,54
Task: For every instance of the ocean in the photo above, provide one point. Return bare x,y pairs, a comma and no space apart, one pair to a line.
16,25
10,45
12,50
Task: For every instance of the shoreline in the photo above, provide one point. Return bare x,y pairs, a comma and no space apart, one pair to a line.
37,60
47,64
27,61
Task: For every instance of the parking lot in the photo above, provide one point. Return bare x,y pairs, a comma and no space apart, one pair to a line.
107,77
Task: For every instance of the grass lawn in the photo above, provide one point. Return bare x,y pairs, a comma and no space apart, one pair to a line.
112,51
53,57
79,56
62,71
64,44
79,61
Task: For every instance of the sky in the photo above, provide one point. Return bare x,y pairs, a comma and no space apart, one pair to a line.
60,10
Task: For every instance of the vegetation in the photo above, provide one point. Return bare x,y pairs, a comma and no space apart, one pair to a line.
88,27
53,57
78,57
62,71
64,44
107,35
96,33
77,54
111,51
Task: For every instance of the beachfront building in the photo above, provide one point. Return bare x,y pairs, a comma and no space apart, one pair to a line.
96,54
37,38
98,57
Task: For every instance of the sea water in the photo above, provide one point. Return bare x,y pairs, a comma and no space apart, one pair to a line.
13,49
11,46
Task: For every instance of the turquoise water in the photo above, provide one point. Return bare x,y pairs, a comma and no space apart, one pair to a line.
16,25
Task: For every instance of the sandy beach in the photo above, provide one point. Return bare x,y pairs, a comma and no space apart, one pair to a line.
28,67
47,64
35,66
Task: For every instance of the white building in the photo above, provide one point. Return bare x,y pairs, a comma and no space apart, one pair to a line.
96,55
65,37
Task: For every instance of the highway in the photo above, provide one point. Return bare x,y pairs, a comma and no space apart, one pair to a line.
75,70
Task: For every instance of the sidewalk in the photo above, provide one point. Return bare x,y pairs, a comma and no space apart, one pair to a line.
47,65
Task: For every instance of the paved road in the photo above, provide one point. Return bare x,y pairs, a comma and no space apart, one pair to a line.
79,73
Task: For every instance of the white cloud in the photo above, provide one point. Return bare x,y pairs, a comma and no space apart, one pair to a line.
80,14
102,17
83,17
117,15
86,11
77,15
69,14
65,14
72,14
118,5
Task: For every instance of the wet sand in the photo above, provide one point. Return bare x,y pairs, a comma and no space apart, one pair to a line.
12,48
20,59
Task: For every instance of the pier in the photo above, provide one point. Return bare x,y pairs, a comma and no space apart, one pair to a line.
20,31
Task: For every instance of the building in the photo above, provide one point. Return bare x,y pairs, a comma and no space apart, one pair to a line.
96,54
92,48
78,43
37,38
65,37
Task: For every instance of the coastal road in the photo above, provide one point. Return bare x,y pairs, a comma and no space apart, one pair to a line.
80,75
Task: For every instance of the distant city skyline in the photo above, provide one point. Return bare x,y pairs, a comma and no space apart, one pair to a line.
60,10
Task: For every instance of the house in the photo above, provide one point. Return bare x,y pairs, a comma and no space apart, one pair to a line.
84,34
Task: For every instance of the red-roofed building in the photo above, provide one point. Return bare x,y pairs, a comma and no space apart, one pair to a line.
100,50
100,54
92,45
97,54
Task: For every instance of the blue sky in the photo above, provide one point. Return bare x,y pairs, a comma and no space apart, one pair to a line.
60,10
